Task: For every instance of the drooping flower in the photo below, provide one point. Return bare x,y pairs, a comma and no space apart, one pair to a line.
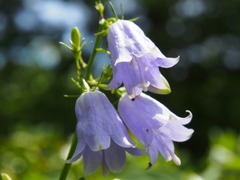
154,125
102,136
135,60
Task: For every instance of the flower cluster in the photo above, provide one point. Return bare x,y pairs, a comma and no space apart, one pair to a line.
102,132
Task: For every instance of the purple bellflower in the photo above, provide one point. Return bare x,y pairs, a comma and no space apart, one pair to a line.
135,60
155,126
102,136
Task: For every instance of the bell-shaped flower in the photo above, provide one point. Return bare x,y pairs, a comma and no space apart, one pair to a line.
102,136
154,125
135,60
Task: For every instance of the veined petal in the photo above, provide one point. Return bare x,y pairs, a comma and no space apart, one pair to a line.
92,160
114,125
140,124
138,128
148,105
132,77
115,157
150,72
135,60
99,122
91,124
164,145
126,39
116,43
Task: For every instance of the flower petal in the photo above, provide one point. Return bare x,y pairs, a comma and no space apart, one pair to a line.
99,122
164,145
114,83
112,124
126,39
77,154
185,120
165,62
92,160
140,124
150,72
176,131
153,153
136,151
91,123
115,157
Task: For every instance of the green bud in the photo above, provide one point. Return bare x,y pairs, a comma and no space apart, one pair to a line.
76,38
102,86
85,86
5,176
100,8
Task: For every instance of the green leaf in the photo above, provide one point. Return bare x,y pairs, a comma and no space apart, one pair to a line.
66,46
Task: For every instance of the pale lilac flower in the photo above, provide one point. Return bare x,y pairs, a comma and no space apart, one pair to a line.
102,136
155,126
139,58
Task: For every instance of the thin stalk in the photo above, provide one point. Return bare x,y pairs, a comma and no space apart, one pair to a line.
93,54
66,166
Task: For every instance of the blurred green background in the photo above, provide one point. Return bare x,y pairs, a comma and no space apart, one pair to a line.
37,122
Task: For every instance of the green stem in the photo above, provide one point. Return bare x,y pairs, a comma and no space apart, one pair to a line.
66,166
93,54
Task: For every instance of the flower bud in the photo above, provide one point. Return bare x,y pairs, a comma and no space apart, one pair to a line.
100,8
76,38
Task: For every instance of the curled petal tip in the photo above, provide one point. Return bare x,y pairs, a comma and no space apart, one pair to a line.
190,114
165,91
175,60
178,58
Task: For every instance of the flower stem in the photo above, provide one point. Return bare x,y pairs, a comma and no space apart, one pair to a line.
66,166
93,54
